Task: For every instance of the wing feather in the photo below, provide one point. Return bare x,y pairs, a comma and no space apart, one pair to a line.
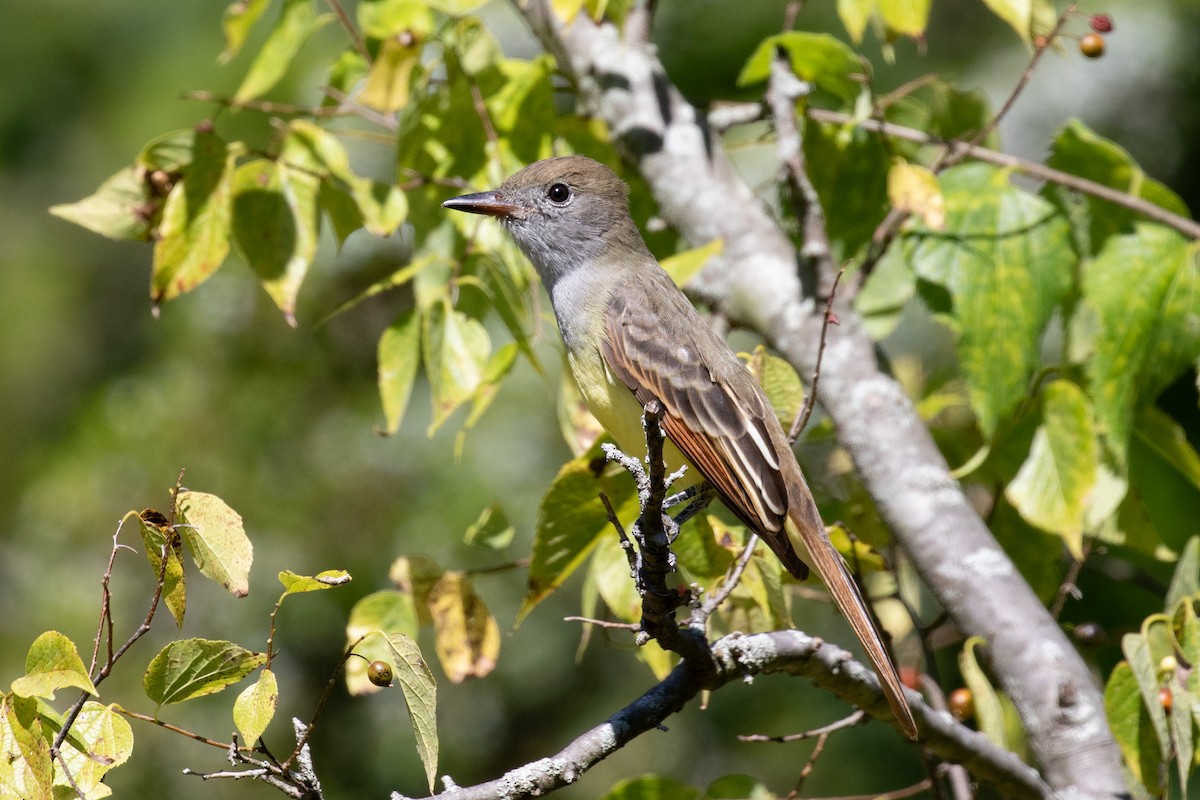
713,410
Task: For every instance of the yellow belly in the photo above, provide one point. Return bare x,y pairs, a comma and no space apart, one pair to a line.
619,412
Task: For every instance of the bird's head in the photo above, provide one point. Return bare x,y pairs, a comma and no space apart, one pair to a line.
562,212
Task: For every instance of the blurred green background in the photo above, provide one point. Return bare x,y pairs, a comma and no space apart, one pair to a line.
101,404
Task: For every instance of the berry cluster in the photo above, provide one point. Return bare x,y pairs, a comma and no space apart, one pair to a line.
1092,44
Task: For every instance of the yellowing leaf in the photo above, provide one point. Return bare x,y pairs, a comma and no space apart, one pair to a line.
854,15
914,188
255,706
213,532
572,519
327,579
420,696
997,716
26,770
682,267
456,348
387,611
387,86
52,663
120,209
107,742
240,16
1017,13
468,639
399,355
905,17
194,232
156,533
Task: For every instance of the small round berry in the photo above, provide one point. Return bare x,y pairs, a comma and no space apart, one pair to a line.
379,673
1101,23
1168,664
1165,698
910,677
962,704
1092,45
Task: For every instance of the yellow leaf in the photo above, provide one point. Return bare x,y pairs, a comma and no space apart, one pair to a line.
915,189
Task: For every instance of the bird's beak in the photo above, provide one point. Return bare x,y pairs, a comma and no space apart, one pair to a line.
493,204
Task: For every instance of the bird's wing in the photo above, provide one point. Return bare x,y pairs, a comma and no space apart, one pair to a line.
713,412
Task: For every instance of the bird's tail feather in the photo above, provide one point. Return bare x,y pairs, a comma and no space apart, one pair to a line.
829,565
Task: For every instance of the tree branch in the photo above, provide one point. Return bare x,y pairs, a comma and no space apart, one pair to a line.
755,282
738,657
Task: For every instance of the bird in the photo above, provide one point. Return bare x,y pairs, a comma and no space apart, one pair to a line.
632,338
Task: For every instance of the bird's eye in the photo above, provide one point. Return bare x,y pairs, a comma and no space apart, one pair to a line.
559,193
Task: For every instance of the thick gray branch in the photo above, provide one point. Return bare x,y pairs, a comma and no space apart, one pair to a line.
756,283
739,657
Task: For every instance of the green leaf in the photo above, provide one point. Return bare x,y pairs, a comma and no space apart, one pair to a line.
387,611
1006,261
122,208
1167,439
276,225
905,17
467,638
572,519
854,15
1186,580
492,530
651,787
1145,338
255,707
239,18
384,19
780,383
26,770
815,57
52,663
214,533
1053,486
298,584
388,82
1143,656
191,668
456,351
171,152
609,569
682,267
106,741
1132,728
194,232
1029,18
1080,151
699,554
297,22
997,716
399,355
849,168
156,533
457,8
420,696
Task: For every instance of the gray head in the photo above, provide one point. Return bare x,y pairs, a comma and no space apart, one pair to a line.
563,212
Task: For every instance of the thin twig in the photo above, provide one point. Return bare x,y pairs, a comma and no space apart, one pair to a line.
174,729
348,25
732,576
809,766
1068,587
605,623
302,740
810,402
858,717
1186,226
897,794
1041,46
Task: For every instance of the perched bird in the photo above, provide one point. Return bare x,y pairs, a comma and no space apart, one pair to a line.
633,337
